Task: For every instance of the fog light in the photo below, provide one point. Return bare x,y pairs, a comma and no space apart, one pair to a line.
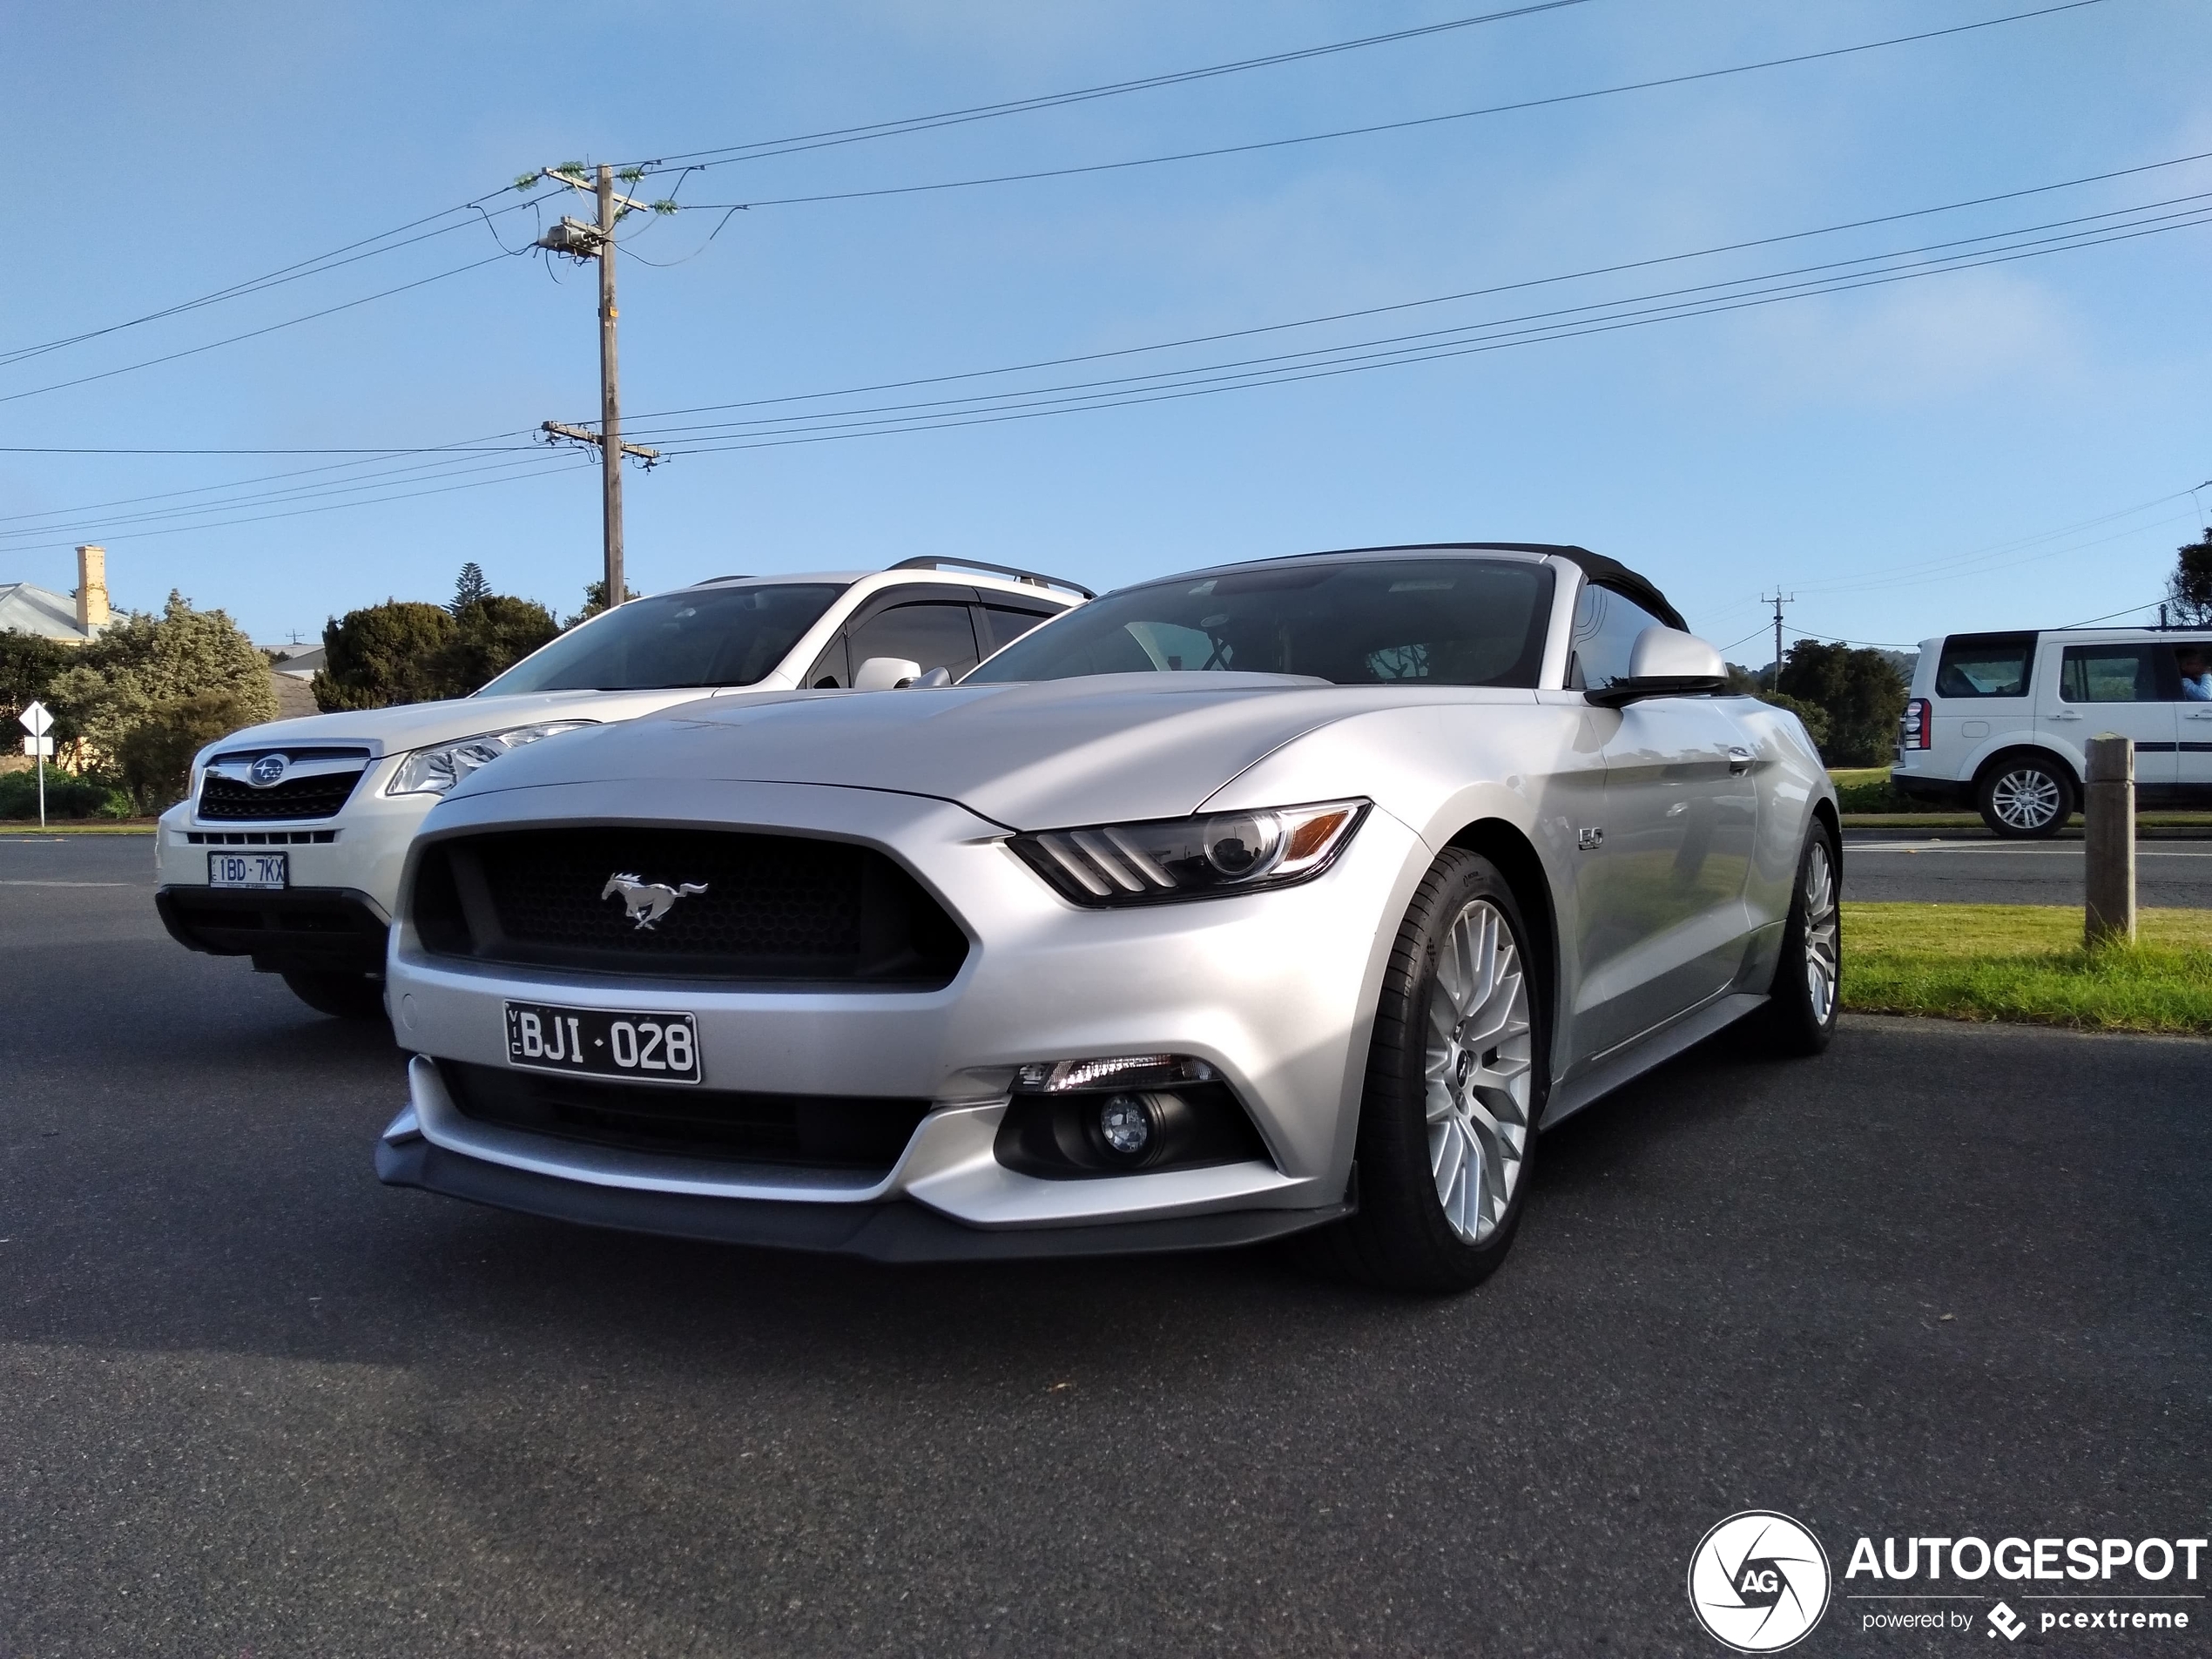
1125,1124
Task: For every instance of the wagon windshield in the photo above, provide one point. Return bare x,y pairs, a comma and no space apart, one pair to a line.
1366,622
695,636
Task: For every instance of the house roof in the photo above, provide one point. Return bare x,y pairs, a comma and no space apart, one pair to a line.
29,610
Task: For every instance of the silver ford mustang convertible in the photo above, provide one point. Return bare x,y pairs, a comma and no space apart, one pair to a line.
1287,897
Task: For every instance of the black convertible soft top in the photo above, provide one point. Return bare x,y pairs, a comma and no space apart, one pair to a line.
1609,572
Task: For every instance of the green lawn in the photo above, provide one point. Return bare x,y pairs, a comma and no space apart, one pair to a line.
2026,964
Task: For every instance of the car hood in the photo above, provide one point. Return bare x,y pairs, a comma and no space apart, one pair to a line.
411,725
1039,755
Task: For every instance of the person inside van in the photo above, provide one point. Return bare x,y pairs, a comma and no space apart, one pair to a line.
2196,673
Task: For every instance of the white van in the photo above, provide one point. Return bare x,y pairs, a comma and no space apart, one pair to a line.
1999,721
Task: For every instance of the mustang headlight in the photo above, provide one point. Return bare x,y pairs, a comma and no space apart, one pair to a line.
432,771
1207,857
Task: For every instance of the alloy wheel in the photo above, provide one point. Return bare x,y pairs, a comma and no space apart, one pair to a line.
1824,932
1480,1070
2026,799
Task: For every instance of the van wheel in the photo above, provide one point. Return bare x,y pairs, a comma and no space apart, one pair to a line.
2025,797
345,996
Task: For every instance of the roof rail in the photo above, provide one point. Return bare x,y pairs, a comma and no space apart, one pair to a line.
1035,578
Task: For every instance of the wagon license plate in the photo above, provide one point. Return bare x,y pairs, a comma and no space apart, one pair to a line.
607,1042
247,869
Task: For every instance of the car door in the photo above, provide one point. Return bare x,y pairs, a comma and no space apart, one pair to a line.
2190,665
1662,891
2114,688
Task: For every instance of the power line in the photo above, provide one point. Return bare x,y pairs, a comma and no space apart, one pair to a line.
760,148
254,334
294,273
1383,126
1564,322
382,482
334,507
1436,299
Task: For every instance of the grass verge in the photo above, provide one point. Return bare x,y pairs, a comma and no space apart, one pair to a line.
82,826
2025,964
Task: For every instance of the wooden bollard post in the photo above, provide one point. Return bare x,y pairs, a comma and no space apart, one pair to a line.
2108,830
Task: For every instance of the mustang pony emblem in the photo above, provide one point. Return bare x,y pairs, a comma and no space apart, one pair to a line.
645,902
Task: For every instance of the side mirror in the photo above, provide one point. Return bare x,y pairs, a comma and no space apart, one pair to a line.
931,681
885,674
1665,662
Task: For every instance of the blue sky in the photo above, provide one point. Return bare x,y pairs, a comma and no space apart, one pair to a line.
2011,444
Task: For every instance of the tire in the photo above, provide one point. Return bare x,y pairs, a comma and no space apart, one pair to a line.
1807,993
345,996
2025,797
1463,998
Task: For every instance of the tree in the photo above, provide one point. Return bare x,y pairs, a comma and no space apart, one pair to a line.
141,664
491,634
595,601
155,755
28,665
394,652
470,587
2188,591
1859,692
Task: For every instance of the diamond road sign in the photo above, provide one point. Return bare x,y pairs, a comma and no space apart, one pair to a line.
35,720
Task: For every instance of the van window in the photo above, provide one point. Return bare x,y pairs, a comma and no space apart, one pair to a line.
2109,674
2193,666
1985,665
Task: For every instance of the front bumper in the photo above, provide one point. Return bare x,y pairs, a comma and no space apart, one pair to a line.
1275,990
288,929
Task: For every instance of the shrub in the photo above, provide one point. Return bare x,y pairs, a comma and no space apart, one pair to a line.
385,654
67,795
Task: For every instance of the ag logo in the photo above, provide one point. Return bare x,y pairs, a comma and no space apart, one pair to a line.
1758,1582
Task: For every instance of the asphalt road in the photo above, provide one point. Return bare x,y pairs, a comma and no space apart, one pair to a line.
1929,869
1943,1280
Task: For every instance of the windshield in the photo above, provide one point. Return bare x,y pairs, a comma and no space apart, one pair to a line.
697,636
1438,622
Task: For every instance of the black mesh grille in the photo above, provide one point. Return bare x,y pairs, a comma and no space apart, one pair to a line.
831,1131
732,906
319,797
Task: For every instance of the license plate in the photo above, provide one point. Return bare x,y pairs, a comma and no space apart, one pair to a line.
246,869
607,1042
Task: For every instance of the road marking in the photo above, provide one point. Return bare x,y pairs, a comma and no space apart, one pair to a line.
1994,849
68,884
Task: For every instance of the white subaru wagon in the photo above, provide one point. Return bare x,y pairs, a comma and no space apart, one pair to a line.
289,846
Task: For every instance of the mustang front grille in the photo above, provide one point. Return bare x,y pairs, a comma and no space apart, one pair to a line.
691,903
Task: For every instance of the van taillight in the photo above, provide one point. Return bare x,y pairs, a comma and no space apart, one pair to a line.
1916,729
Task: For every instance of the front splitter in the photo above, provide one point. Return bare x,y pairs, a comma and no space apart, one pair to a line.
897,1231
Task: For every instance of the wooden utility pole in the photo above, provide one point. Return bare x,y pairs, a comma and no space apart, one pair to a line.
609,394
597,241
2108,836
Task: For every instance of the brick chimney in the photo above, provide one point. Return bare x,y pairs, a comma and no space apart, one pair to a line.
91,589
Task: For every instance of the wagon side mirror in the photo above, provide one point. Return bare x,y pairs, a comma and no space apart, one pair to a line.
885,674
1665,662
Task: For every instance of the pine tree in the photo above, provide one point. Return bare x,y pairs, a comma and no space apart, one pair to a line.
469,588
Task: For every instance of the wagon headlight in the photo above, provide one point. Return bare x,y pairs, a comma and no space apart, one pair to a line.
1209,856
433,772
